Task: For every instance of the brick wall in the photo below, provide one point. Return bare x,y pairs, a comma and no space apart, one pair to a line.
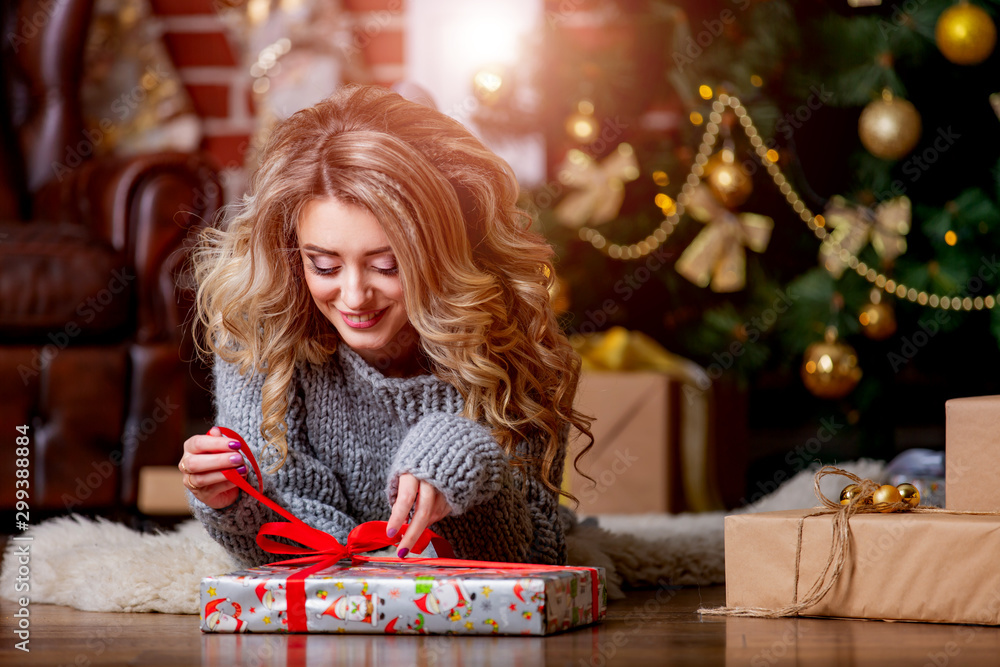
218,80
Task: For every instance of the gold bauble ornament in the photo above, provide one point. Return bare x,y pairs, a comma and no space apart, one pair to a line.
878,320
727,180
830,368
889,127
887,494
849,492
965,34
910,494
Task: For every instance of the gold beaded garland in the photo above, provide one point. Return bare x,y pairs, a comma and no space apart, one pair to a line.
815,221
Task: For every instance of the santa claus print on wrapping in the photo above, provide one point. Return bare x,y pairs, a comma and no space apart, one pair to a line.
272,595
446,598
363,608
222,622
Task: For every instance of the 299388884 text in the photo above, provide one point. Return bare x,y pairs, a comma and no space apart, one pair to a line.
22,551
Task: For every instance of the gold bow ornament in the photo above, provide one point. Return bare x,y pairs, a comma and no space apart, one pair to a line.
599,189
853,227
717,256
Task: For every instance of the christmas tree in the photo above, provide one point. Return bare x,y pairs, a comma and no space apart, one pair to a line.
801,196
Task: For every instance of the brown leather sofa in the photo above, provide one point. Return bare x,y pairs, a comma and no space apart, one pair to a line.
92,324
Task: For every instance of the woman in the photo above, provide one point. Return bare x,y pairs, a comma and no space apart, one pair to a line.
379,316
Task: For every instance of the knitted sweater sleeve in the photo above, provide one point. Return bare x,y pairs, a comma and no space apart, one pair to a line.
304,485
499,512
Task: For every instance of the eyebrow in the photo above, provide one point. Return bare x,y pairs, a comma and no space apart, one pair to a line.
315,248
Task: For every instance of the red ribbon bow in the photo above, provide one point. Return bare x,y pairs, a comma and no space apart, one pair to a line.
320,548
324,550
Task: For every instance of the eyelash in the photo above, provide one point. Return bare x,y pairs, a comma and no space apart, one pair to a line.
326,272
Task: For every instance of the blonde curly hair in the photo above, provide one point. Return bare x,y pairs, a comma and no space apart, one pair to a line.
475,278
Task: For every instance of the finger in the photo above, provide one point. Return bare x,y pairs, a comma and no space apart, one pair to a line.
193,464
426,497
217,495
206,444
406,494
203,481
441,508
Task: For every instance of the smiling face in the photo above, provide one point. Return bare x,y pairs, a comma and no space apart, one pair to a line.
352,275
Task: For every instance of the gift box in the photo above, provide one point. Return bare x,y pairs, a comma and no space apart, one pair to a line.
652,451
402,598
972,476
935,567
334,587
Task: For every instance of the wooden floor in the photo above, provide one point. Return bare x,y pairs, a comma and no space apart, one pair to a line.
648,628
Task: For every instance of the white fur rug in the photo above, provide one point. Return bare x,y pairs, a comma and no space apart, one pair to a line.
72,557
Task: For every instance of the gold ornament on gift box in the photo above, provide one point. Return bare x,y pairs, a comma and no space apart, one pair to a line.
849,492
886,498
600,188
909,494
965,34
727,180
717,256
878,321
889,127
830,368
853,227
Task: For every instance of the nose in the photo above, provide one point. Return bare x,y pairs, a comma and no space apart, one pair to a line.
356,291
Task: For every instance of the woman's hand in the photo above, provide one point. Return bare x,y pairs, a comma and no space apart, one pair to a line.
205,457
429,507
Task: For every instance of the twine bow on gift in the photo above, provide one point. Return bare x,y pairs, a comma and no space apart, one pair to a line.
854,226
717,256
600,188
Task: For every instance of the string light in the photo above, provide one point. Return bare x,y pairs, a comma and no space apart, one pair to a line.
816,222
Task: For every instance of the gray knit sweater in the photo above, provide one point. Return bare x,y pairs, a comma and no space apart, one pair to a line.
352,432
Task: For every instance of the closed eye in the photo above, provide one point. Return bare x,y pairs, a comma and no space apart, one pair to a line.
321,270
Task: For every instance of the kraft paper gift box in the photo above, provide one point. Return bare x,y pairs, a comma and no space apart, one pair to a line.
901,566
652,450
402,598
972,454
